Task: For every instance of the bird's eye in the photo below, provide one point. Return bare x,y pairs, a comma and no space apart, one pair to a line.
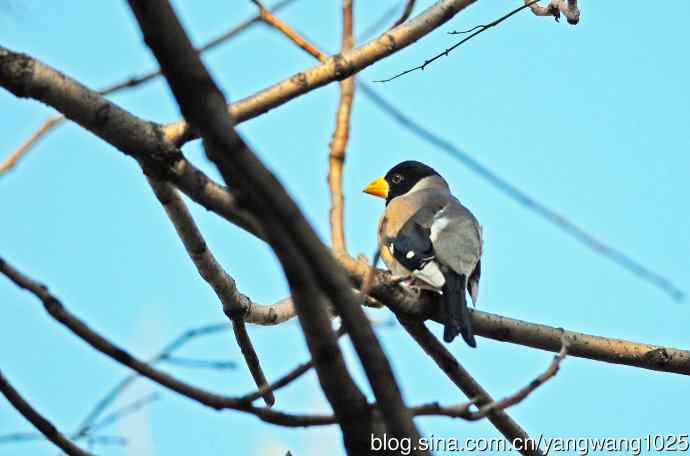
397,178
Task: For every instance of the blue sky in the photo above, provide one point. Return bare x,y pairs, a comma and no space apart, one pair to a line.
591,120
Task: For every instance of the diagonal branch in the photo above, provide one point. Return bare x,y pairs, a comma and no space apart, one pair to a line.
522,393
336,158
54,121
271,19
144,141
445,53
291,237
235,304
14,157
465,382
37,420
407,11
497,327
337,67
216,401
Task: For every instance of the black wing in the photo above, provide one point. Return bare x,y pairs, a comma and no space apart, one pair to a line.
412,246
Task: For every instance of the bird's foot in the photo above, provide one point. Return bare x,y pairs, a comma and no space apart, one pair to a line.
404,280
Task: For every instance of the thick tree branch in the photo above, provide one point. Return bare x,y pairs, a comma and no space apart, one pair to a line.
465,382
505,329
203,106
37,420
216,401
54,121
27,77
337,67
235,304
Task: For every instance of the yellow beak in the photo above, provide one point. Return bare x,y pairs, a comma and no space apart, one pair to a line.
378,187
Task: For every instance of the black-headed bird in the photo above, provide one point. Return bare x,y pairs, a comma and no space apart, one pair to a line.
428,236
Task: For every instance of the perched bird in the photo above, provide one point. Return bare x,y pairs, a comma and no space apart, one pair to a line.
427,234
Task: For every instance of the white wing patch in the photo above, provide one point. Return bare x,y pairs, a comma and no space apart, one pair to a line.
439,224
430,274
409,255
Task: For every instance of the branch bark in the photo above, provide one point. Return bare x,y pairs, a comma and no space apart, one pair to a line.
336,158
497,327
337,67
24,77
54,121
216,401
466,383
37,420
203,105
235,304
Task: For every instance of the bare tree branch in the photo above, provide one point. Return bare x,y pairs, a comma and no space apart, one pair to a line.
14,157
505,329
216,401
123,384
407,11
54,121
235,304
37,420
375,27
144,141
269,18
465,411
203,105
337,67
124,411
521,394
445,53
336,158
466,383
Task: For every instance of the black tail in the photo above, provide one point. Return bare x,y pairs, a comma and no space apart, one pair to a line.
455,307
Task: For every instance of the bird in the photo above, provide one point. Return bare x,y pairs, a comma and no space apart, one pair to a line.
430,239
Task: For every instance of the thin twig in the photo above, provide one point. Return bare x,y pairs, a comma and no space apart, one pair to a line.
37,420
286,379
269,18
341,133
377,25
465,411
123,384
450,49
510,429
235,304
53,121
216,401
521,394
14,157
199,363
407,11
125,411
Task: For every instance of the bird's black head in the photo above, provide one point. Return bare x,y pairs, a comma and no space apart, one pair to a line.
399,179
